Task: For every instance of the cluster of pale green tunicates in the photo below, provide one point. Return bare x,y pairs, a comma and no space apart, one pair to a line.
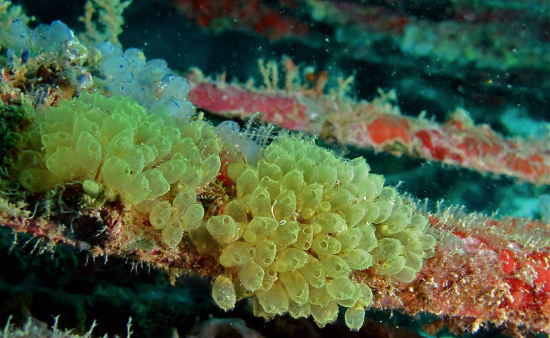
115,148
303,221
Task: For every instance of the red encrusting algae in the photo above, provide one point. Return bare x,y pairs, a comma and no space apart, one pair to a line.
379,125
483,272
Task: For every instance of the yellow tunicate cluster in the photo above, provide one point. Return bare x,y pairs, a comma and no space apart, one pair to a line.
293,230
114,147
302,222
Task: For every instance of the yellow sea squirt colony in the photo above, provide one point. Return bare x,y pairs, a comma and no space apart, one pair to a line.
302,221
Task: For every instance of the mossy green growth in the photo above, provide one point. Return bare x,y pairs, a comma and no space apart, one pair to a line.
15,120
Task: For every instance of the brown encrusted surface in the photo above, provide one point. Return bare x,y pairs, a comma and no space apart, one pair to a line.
467,283
134,237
